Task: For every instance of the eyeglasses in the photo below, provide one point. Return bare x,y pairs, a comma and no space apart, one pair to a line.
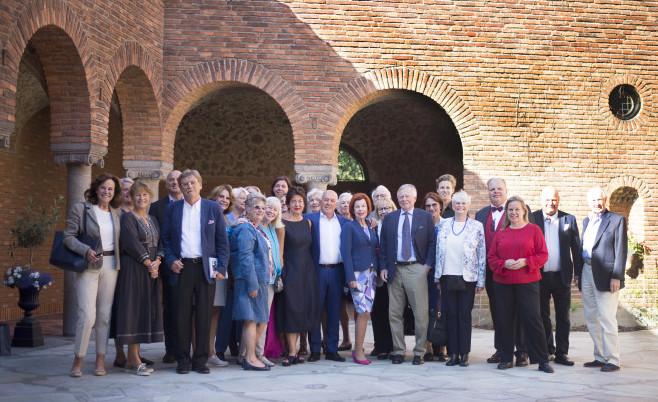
385,209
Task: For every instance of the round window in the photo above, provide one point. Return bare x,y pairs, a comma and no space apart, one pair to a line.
625,102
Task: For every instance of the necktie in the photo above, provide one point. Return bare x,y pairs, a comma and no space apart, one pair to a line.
406,238
499,209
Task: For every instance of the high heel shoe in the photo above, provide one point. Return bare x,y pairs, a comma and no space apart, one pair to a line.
357,361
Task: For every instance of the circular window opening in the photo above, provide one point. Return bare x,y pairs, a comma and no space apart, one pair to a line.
625,102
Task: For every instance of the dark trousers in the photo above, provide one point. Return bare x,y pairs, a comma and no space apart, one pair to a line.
169,313
229,332
193,285
457,306
381,327
519,338
331,296
433,299
551,285
524,299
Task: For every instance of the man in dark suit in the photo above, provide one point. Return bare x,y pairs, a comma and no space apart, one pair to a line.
159,210
196,251
408,250
326,228
601,277
492,218
560,230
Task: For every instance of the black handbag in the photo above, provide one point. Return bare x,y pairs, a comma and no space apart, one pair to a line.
62,257
437,330
409,321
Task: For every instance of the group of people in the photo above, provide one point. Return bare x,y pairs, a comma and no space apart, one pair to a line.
269,277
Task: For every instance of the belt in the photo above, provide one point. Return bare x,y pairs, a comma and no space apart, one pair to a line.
404,263
195,260
331,266
587,261
108,253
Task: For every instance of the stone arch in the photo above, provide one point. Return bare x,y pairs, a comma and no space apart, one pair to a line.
59,37
627,196
372,85
194,84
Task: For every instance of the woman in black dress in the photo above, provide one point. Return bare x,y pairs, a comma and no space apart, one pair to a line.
299,304
139,301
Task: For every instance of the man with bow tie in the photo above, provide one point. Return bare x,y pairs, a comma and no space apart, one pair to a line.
492,217
600,277
196,252
560,231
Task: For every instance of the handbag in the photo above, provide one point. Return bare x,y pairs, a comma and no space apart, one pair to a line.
278,284
437,330
62,257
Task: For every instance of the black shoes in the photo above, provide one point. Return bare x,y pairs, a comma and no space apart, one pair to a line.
397,359
594,363
609,368
248,366
168,358
454,360
563,360
201,369
495,358
428,357
464,360
440,357
334,357
345,346
383,356
418,360
505,365
545,367
314,357
522,360
183,368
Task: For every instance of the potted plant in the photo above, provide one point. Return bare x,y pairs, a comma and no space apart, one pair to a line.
32,227
638,251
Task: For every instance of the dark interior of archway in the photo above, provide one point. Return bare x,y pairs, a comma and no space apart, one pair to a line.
403,137
237,135
622,200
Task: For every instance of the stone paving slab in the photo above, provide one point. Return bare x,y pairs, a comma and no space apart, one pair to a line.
41,374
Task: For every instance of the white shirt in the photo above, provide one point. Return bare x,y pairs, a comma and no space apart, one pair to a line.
496,215
190,245
454,264
329,240
551,228
400,224
590,235
106,227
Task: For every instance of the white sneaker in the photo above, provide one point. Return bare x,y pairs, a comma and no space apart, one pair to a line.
266,361
142,370
216,361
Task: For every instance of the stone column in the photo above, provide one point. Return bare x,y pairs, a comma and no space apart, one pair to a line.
315,176
150,172
78,159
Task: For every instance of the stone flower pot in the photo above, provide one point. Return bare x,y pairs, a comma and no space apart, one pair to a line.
27,332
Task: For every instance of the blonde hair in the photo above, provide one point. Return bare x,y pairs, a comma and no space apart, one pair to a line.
276,204
515,198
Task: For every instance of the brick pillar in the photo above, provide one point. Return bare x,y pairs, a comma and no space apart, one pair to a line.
78,161
315,176
150,172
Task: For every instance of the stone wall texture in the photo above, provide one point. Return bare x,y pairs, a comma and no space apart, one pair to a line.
523,86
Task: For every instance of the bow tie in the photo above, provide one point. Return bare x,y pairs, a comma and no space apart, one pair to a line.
499,209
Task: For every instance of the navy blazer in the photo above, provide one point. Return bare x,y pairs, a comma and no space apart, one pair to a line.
422,237
569,240
609,251
214,240
159,209
315,232
359,251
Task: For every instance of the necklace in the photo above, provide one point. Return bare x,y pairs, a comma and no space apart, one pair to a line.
452,227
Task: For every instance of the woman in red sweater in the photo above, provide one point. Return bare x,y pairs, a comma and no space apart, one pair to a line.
517,254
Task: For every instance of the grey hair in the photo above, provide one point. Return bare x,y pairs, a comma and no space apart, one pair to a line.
409,187
187,173
596,191
496,179
380,189
253,198
461,196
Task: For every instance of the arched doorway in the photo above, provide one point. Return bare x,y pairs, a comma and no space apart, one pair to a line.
627,202
403,137
236,134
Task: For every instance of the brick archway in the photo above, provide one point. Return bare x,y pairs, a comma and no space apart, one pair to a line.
194,84
58,36
368,88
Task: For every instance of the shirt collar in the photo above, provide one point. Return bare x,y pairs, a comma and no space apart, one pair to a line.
322,215
553,217
196,205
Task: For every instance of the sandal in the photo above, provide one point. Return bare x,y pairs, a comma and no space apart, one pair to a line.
100,372
76,373
287,361
299,360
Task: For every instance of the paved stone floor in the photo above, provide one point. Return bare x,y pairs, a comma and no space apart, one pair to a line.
41,374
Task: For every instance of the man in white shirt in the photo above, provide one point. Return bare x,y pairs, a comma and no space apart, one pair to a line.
326,228
560,230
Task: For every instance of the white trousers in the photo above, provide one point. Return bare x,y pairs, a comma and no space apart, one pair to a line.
94,289
600,310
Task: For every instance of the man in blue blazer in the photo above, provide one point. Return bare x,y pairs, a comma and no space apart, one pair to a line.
601,277
326,227
408,247
159,210
197,252
560,230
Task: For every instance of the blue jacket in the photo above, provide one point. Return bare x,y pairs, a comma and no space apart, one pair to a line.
249,256
315,232
358,251
214,241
